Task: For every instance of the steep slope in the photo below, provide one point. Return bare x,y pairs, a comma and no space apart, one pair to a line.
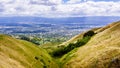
21,54
77,37
102,51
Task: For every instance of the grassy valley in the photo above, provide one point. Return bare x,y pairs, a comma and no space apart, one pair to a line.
96,48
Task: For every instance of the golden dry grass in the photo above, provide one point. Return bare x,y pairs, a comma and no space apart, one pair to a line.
102,51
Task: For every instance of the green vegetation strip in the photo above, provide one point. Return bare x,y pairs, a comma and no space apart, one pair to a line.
64,50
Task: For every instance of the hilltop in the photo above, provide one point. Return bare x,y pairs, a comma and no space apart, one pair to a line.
16,53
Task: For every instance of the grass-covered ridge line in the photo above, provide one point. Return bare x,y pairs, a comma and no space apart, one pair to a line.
102,51
22,54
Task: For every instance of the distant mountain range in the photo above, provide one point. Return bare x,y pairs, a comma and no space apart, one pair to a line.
62,20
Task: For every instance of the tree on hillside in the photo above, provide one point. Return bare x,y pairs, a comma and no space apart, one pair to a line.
89,33
24,38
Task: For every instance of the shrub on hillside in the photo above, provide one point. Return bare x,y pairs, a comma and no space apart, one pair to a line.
35,41
58,52
82,41
24,38
70,47
89,33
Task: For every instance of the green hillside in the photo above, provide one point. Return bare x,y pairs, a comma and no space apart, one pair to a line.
102,51
22,54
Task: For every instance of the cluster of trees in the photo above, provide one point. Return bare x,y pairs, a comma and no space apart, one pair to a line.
64,50
40,41
34,40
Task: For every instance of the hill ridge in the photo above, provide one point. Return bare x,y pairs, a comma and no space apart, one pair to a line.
98,52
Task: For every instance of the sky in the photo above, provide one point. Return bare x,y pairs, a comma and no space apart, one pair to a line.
59,8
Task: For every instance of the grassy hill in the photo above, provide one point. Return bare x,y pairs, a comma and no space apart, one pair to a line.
22,54
102,51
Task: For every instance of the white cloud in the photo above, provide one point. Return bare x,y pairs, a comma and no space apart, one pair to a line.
46,2
90,9
5,1
77,1
56,8
56,1
74,1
